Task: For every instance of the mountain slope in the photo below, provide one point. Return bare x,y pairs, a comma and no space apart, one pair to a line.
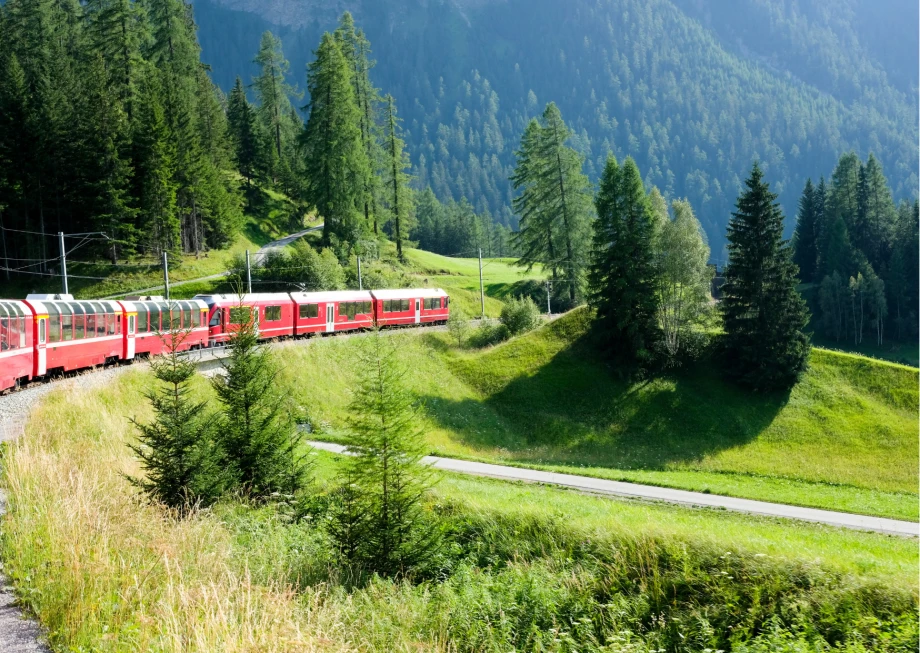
693,91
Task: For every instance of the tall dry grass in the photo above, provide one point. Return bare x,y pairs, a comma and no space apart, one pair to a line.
108,572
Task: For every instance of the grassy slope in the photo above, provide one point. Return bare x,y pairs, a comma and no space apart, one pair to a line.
109,573
460,277
843,439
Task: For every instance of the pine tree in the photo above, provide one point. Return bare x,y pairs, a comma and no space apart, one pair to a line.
396,180
763,315
565,196
805,240
177,450
335,160
386,468
622,280
118,29
536,236
274,96
241,118
260,447
357,51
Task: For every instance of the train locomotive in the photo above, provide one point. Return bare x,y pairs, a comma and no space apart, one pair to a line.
45,336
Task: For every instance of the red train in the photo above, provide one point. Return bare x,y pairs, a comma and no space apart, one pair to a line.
48,335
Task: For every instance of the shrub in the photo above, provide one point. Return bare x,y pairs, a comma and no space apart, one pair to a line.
520,315
458,325
488,334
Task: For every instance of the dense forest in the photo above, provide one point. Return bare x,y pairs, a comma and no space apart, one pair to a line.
693,91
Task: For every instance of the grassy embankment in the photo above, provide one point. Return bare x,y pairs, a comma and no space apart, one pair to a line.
844,438
528,568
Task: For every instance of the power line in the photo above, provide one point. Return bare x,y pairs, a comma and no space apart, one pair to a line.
52,274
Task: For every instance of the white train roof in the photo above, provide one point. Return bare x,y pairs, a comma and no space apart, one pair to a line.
408,293
249,297
332,296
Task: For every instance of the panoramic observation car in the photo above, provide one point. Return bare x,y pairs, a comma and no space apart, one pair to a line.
335,310
155,318
411,306
71,335
17,353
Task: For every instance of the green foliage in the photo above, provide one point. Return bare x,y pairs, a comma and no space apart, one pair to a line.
520,315
177,450
623,278
554,206
397,195
335,158
454,229
488,334
809,220
762,313
299,267
260,448
681,259
458,325
380,523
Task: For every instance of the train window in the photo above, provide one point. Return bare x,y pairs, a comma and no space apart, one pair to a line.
308,311
54,328
446,302
154,317
67,327
141,318
12,337
187,319
22,332
100,325
240,315
4,332
216,318
79,327
272,313
91,325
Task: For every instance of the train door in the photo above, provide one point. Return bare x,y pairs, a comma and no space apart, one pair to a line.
330,317
41,362
418,313
132,326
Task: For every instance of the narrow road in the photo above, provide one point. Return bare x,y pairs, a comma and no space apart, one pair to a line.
258,257
601,486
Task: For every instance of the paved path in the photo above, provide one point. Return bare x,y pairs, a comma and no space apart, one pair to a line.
698,499
257,258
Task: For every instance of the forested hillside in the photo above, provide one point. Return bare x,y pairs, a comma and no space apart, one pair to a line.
693,91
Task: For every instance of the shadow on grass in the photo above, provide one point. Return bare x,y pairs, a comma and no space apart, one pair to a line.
573,410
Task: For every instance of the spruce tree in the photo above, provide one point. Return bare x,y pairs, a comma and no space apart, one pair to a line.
274,97
397,535
241,119
763,315
536,237
880,214
805,240
177,450
260,446
622,279
335,160
396,180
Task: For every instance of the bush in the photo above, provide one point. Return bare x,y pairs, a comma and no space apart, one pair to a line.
458,325
520,315
488,334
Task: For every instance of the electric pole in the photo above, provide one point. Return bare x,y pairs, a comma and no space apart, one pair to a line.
482,294
166,275
63,261
360,283
248,274
549,287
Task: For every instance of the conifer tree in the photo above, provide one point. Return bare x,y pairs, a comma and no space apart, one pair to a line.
623,280
177,450
805,240
536,237
118,29
386,468
880,214
335,160
396,180
259,444
273,93
764,343
241,118
357,51
565,196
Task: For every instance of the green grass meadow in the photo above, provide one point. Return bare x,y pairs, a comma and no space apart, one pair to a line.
845,438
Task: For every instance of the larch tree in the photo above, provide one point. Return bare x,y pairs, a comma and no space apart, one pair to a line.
764,317
536,237
274,94
398,193
623,279
335,160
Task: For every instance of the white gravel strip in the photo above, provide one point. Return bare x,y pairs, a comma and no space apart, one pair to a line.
602,486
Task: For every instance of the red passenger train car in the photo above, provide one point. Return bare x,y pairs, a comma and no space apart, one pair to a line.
72,335
331,311
410,306
157,318
16,344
